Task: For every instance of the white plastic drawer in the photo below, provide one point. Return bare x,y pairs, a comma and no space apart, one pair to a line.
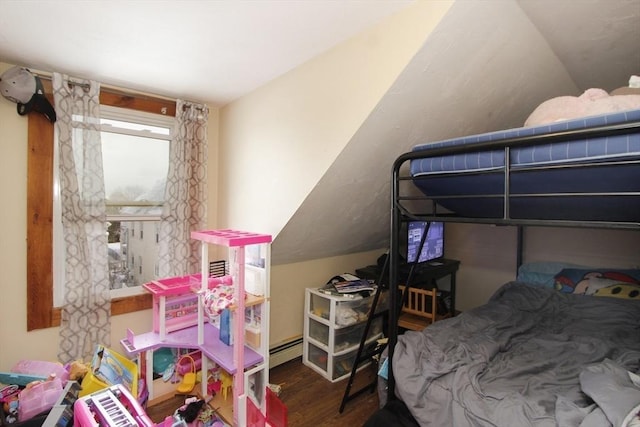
342,364
319,331
318,357
351,336
319,306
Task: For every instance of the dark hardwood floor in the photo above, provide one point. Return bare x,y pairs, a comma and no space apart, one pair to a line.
311,400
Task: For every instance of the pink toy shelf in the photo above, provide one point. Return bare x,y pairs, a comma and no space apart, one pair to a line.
181,285
175,306
230,238
179,312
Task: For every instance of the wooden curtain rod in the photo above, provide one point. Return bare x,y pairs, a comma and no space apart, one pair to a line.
122,98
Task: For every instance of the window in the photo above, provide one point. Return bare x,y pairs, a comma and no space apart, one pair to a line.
41,311
135,158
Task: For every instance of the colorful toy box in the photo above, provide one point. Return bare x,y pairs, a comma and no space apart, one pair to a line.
39,398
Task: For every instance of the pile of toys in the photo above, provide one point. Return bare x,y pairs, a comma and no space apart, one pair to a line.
32,387
194,413
50,394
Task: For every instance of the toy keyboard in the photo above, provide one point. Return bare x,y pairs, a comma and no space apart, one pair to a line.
113,407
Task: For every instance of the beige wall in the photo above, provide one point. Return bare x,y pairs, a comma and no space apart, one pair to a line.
288,282
277,142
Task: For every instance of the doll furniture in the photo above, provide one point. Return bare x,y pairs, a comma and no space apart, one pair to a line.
175,306
247,365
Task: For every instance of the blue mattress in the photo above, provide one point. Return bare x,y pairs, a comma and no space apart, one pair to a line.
539,169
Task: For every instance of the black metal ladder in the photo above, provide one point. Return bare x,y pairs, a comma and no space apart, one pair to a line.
366,352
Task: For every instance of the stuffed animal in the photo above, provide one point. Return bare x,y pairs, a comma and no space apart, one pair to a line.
592,102
77,370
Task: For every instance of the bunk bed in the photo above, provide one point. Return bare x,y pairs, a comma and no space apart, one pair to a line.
533,355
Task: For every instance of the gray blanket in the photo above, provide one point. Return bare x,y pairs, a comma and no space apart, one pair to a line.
518,360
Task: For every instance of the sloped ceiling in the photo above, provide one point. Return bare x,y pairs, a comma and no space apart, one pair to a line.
485,67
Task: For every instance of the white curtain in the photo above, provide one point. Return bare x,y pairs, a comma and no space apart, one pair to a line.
185,195
87,305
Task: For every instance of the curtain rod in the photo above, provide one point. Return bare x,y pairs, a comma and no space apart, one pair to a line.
128,92
125,91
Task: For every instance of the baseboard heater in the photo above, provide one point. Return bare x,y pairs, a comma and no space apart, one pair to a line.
285,352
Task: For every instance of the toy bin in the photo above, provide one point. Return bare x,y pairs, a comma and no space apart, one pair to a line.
110,368
39,398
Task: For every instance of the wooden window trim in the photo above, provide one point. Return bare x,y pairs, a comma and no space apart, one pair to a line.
40,310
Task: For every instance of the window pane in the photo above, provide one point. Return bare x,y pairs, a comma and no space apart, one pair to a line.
135,151
144,128
132,260
135,173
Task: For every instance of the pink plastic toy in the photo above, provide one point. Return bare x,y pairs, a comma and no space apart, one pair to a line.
38,398
42,368
113,407
175,306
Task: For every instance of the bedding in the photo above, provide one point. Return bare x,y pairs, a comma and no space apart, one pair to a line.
579,165
531,356
543,273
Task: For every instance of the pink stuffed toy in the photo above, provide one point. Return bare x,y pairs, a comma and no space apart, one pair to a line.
592,102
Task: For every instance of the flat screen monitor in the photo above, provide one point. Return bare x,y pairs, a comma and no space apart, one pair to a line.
433,247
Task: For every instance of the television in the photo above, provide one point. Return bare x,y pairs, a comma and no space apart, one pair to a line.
433,247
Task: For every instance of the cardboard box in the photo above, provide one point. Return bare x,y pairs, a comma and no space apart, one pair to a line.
252,336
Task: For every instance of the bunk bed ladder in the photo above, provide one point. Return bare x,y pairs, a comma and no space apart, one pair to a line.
366,353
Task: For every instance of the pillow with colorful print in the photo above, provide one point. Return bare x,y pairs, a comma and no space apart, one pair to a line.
620,290
599,281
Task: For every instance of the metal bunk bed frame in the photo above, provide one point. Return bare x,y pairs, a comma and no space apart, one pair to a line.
408,207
